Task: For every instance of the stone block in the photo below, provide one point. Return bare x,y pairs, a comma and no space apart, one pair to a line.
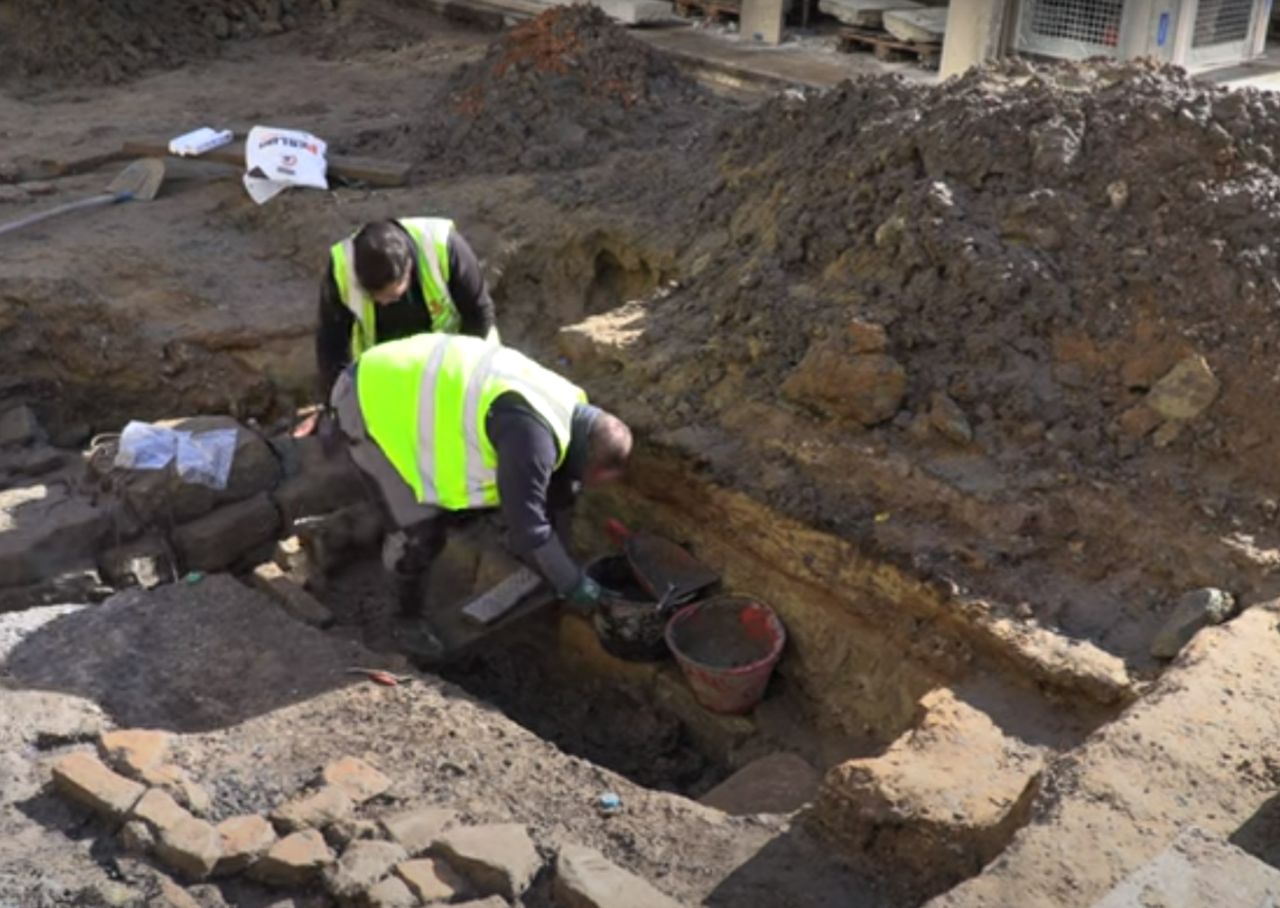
46,530
415,830
392,892
949,420
320,485
357,778
314,811
171,895
134,750
432,880
636,12
587,879
191,846
1196,610
865,387
496,860
778,783
244,840
84,779
144,562
18,426
361,865
159,811
941,802
221,538
291,596
1185,391
294,860
761,21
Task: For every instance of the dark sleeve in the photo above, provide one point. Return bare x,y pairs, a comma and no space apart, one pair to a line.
333,335
467,288
526,452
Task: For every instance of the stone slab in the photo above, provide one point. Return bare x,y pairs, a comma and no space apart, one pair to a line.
778,783
221,538
357,778
587,879
361,865
133,750
919,26
392,892
1197,871
497,860
294,860
83,778
244,840
862,13
159,811
45,530
636,12
415,830
315,810
190,846
432,880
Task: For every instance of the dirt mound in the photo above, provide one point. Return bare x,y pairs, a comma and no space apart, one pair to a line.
113,40
562,90
1041,246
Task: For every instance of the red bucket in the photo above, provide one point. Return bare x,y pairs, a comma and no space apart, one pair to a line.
727,648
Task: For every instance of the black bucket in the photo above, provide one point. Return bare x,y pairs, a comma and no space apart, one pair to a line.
629,625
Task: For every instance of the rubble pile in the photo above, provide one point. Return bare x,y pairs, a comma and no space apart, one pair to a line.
1069,264
113,40
562,90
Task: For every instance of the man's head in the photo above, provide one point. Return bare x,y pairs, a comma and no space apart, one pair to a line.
608,448
384,261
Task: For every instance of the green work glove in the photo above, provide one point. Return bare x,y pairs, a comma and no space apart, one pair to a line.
585,597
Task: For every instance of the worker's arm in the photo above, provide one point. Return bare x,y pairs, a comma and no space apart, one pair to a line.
333,335
526,452
468,289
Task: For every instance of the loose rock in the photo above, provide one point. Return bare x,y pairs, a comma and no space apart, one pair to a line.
1186,391
135,750
357,778
293,860
83,778
865,387
314,810
1195,610
415,830
587,879
499,859
244,840
391,893
946,416
432,880
361,865
190,846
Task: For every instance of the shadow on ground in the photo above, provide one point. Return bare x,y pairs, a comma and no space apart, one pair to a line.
183,657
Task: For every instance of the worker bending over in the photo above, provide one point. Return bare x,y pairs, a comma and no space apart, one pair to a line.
447,424
394,279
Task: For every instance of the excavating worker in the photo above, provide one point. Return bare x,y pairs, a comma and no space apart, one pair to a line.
393,279
444,425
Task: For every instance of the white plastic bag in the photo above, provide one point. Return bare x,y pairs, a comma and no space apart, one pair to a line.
275,159
205,457
146,447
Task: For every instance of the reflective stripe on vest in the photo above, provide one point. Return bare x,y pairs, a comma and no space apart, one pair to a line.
431,243
424,400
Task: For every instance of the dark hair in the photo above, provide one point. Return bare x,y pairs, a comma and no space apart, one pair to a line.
383,253
609,445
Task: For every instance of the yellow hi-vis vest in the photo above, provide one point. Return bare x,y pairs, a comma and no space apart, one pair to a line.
424,400
431,242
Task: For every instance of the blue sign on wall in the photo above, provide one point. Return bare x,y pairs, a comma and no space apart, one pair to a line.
1162,31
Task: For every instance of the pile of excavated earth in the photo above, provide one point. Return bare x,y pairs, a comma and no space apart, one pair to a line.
565,89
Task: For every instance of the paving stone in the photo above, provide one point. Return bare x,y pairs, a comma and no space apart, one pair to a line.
392,892
159,810
357,778
244,840
497,860
18,426
83,778
315,810
415,830
432,880
192,847
587,879
778,783
293,860
46,531
137,838
134,750
361,865
287,591
220,539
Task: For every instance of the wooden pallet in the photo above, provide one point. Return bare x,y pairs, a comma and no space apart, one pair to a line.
711,10
887,47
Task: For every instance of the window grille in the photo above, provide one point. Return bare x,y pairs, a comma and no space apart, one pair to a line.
1221,22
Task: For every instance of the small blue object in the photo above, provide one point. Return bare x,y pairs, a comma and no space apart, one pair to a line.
194,577
610,801
1162,31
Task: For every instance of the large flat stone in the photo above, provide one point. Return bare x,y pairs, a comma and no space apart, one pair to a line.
357,778
159,811
190,846
45,530
778,783
361,865
497,860
1197,870
862,13
83,778
587,879
921,26
392,892
315,810
134,750
244,840
636,12
1186,754
221,538
294,860
317,484
415,830
432,880
941,802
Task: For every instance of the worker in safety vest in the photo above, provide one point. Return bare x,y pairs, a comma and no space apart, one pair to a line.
393,279
447,424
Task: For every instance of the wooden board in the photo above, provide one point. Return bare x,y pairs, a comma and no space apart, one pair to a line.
862,13
712,10
885,47
365,170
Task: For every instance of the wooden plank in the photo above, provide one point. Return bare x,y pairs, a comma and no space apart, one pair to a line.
488,607
373,171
